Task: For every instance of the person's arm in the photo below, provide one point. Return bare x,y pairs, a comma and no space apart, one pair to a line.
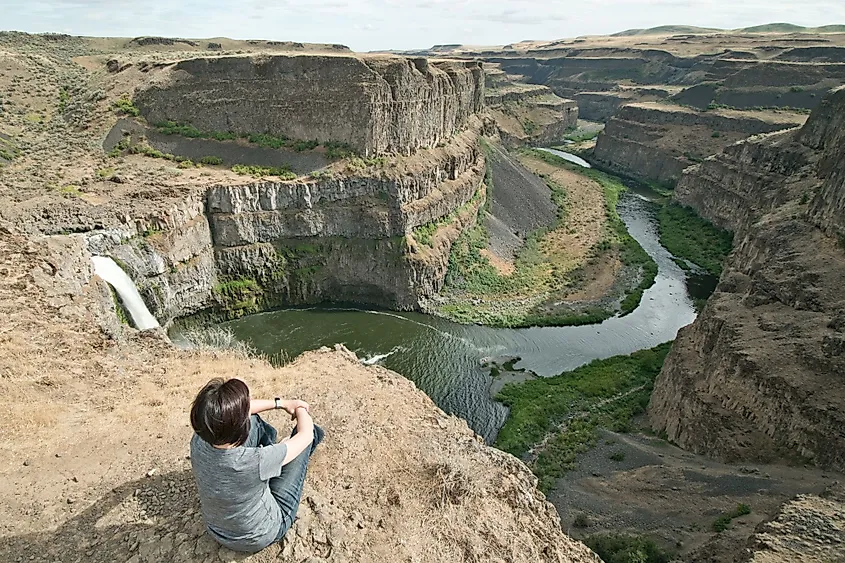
297,443
290,405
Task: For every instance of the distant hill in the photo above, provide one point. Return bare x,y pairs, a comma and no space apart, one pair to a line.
773,28
766,28
664,29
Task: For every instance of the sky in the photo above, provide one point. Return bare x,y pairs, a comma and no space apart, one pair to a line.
366,25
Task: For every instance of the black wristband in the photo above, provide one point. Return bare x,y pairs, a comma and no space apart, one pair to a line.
278,403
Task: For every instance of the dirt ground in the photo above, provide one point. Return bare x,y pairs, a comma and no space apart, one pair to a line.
95,436
569,246
658,489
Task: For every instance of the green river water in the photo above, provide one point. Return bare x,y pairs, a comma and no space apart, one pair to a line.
445,359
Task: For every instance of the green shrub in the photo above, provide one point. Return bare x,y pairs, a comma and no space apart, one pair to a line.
805,198
716,134
300,146
185,130
64,98
581,521
211,160
723,522
335,150
617,456
267,140
623,548
124,106
283,172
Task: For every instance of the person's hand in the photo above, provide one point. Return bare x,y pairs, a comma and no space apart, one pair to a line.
292,404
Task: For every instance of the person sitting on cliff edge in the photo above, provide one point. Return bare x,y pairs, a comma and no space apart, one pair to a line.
249,485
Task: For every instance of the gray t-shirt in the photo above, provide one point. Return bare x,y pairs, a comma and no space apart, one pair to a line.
238,508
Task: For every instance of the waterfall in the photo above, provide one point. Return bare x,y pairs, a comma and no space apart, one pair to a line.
107,269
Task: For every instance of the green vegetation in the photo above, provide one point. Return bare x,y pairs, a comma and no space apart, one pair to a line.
105,172
360,164
617,456
320,174
581,521
624,548
8,150
529,127
723,522
570,406
716,135
124,106
64,98
70,190
172,128
334,150
630,252
118,149
211,160
579,137
119,309
283,172
238,297
423,233
689,236
470,274
805,198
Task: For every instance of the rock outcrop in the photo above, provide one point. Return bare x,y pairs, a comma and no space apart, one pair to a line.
757,376
374,104
655,142
527,114
809,528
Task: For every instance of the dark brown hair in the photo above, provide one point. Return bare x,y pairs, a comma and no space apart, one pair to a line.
220,412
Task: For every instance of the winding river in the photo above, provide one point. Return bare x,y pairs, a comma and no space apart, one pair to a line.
444,359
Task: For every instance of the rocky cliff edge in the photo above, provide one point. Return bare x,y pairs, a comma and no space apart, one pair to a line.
95,434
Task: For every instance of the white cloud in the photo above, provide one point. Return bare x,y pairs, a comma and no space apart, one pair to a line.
398,24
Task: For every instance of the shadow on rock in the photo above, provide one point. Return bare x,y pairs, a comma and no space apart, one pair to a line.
150,519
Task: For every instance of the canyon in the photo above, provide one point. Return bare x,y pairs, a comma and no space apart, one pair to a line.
744,381
233,177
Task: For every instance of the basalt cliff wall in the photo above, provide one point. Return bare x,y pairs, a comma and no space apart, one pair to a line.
655,142
344,234
758,375
374,104
527,114
243,247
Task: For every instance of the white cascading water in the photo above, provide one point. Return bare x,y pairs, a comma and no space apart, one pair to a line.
107,269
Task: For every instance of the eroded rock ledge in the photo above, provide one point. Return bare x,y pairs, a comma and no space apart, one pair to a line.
375,104
758,375
655,142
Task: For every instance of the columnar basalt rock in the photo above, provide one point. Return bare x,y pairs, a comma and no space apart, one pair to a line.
758,375
374,104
